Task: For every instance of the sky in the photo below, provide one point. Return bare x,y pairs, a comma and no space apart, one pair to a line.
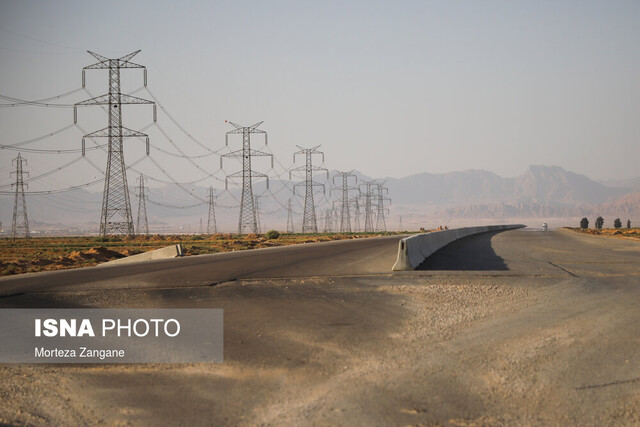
386,88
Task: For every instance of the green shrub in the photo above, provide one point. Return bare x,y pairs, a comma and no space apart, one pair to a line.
272,234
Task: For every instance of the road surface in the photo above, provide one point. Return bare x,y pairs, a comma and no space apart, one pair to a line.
519,327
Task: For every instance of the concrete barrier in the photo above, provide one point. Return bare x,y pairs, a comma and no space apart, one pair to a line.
168,252
413,250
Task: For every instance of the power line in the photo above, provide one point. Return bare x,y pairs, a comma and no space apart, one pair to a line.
178,124
40,138
39,102
62,190
58,169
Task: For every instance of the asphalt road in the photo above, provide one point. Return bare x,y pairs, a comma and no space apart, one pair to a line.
514,328
343,257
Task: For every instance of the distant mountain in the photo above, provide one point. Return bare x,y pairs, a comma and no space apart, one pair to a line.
553,185
541,191
633,183
450,188
543,185
512,210
625,207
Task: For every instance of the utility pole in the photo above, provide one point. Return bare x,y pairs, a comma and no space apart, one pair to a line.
290,228
142,224
247,221
400,224
381,224
212,226
20,223
345,215
309,223
116,207
368,211
200,228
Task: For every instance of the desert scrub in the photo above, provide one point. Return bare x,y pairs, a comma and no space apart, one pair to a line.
272,234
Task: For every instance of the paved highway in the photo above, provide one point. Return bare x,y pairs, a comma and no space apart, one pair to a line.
344,257
515,328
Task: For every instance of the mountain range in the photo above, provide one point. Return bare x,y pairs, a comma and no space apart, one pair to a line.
540,192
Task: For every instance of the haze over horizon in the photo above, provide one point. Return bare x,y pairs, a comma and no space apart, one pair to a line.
387,89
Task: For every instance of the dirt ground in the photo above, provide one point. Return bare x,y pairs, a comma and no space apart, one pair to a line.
550,339
631,233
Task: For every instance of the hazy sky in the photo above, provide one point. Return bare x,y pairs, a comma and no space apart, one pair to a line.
387,88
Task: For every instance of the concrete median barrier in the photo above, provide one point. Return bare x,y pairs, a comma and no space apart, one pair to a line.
162,253
413,250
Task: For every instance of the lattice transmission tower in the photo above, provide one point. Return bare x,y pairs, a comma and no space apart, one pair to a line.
309,222
344,188
116,206
142,224
356,213
212,226
20,223
368,206
328,220
381,190
290,227
256,206
247,221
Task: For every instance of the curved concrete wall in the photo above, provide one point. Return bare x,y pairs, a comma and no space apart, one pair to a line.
413,250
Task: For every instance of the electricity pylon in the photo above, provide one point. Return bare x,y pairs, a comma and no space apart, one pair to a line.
328,220
309,223
368,210
290,228
356,213
345,215
20,223
142,225
336,219
116,206
400,224
247,221
212,226
256,206
381,224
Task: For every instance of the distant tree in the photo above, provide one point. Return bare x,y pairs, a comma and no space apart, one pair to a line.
628,223
584,223
617,223
599,222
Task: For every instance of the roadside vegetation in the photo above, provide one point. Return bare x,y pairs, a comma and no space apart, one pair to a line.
57,253
633,233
